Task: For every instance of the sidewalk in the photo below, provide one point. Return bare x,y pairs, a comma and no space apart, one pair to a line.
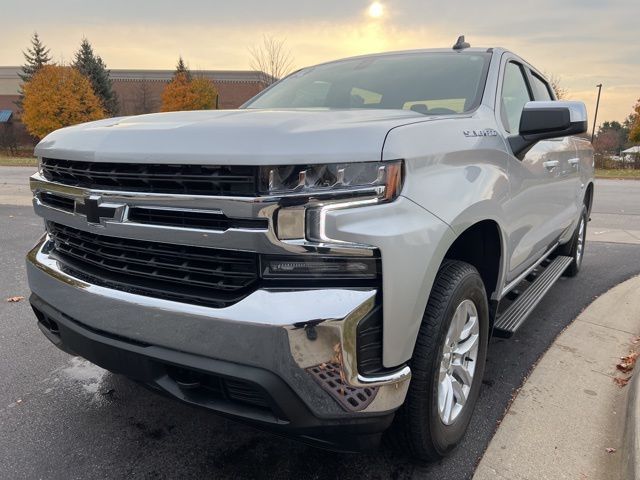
613,235
14,185
570,411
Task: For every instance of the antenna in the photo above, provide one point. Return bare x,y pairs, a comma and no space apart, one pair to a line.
461,44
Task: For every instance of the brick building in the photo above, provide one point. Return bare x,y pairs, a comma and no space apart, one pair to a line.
139,90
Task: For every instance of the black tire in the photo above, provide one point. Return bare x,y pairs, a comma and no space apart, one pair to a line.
573,248
418,428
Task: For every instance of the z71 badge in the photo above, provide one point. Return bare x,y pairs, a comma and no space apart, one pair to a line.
487,132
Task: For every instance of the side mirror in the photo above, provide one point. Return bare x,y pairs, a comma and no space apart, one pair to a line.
543,120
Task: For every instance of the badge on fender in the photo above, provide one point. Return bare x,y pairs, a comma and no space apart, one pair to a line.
487,132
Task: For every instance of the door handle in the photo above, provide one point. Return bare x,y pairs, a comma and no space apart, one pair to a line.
574,162
551,164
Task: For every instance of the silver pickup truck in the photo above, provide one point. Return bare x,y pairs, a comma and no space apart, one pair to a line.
329,261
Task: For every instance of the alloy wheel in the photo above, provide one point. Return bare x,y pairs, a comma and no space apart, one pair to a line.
458,363
580,246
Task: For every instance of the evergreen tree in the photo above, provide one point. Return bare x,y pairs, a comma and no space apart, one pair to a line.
634,125
36,56
183,94
92,66
181,68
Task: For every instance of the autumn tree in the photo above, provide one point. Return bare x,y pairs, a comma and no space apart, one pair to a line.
271,59
35,57
607,142
93,67
186,92
634,124
56,97
183,94
614,135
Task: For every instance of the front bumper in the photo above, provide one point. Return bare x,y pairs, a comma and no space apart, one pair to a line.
264,340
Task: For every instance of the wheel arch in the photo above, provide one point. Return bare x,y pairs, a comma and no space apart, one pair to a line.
482,245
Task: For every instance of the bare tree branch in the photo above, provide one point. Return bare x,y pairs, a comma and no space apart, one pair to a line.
272,59
555,82
144,99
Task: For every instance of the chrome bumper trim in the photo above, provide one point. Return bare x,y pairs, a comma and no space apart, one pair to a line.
396,377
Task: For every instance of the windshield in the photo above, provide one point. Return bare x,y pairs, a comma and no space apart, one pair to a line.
430,83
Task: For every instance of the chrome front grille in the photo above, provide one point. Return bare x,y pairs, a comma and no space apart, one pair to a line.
245,223
229,180
58,201
201,220
183,273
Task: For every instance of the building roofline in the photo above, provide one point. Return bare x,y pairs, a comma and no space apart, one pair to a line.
11,72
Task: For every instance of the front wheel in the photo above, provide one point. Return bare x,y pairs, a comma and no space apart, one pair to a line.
575,247
447,365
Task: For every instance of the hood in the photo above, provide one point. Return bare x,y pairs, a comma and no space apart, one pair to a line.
248,137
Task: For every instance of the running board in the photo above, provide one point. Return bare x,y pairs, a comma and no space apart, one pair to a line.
514,316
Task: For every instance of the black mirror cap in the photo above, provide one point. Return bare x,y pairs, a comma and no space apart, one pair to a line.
536,121
544,120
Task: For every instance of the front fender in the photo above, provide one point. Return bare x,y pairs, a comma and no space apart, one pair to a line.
412,242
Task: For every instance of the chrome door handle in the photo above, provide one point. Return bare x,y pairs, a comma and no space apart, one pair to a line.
574,162
551,164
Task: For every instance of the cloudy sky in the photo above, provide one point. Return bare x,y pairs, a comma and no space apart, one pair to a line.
583,42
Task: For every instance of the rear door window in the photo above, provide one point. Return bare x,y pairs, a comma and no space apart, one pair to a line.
541,88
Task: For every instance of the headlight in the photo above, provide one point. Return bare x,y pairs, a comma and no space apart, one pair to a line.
383,178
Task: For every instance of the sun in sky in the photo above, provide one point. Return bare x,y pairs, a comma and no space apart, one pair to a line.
376,10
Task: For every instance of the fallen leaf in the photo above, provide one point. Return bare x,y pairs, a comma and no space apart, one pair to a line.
627,363
15,299
610,450
337,357
635,340
621,382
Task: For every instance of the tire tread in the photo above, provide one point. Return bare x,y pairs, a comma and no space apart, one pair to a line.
405,434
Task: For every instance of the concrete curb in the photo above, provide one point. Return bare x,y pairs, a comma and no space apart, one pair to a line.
631,440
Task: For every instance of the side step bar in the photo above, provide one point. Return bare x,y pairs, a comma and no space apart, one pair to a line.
513,317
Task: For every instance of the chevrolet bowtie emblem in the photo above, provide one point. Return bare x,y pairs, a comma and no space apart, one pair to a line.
94,211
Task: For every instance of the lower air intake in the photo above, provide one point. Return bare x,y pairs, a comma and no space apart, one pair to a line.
350,398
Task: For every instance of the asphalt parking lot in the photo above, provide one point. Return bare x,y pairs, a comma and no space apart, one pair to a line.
61,417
